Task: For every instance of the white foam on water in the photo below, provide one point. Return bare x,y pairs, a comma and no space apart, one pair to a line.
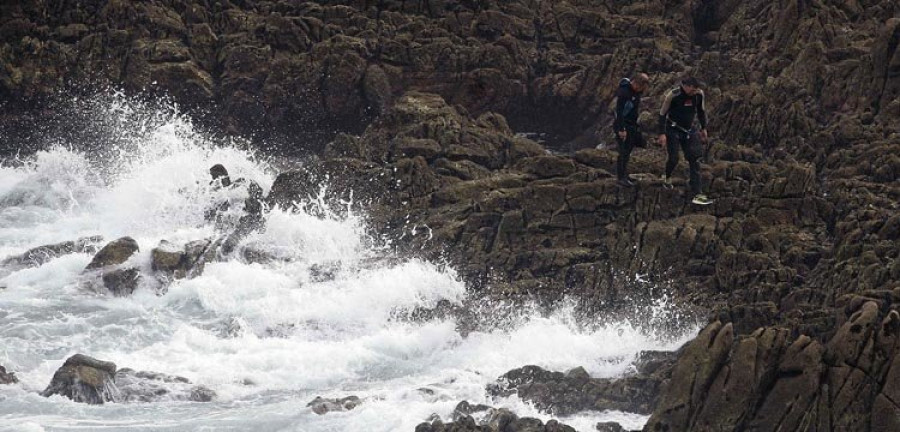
320,320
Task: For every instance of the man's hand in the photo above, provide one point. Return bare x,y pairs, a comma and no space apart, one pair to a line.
623,134
662,140
703,135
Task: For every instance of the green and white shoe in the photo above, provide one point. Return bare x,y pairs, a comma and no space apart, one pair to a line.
701,199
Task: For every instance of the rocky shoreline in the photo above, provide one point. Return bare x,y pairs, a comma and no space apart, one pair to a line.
421,109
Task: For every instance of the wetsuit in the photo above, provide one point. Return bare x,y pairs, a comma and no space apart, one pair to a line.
676,120
628,104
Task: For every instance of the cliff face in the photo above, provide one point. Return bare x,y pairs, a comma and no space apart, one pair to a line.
804,101
310,69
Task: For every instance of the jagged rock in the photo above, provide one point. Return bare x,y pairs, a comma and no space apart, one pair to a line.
494,420
114,253
84,379
172,262
322,406
41,254
121,282
142,386
7,377
772,380
88,380
575,391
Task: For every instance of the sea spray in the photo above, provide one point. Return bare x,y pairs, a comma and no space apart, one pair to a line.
319,318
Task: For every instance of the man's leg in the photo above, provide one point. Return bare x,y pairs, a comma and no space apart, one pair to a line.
692,156
625,148
672,140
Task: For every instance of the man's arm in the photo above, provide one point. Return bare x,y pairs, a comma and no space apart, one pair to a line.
623,106
664,111
701,110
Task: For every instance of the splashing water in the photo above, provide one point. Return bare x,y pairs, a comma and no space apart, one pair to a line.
267,338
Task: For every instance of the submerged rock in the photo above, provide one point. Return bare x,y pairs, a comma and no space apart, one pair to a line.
7,377
143,386
121,282
84,379
490,419
322,406
42,254
610,427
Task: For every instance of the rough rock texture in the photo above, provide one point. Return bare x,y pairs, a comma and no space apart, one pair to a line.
774,380
121,282
143,386
432,97
575,391
88,380
171,262
84,379
114,253
7,377
283,69
106,264
322,406
42,254
490,420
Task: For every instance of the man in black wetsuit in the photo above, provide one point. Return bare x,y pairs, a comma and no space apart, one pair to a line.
676,122
628,134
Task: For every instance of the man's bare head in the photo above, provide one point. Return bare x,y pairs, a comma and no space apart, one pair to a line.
640,82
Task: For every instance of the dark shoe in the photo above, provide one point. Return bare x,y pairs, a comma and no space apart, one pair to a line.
626,182
667,182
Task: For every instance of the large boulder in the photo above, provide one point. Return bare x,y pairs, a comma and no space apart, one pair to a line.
89,380
114,253
772,379
107,264
84,379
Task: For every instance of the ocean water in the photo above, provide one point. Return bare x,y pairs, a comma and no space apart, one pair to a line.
267,338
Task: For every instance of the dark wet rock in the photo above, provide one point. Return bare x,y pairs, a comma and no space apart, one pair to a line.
464,409
490,420
321,406
121,282
172,262
142,386
114,253
7,377
774,379
610,427
84,379
575,391
42,254
168,259
88,380
654,362
803,167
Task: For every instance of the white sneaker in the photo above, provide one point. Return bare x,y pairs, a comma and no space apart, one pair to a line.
701,199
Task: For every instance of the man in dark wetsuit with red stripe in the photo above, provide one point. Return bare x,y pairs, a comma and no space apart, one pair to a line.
676,123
